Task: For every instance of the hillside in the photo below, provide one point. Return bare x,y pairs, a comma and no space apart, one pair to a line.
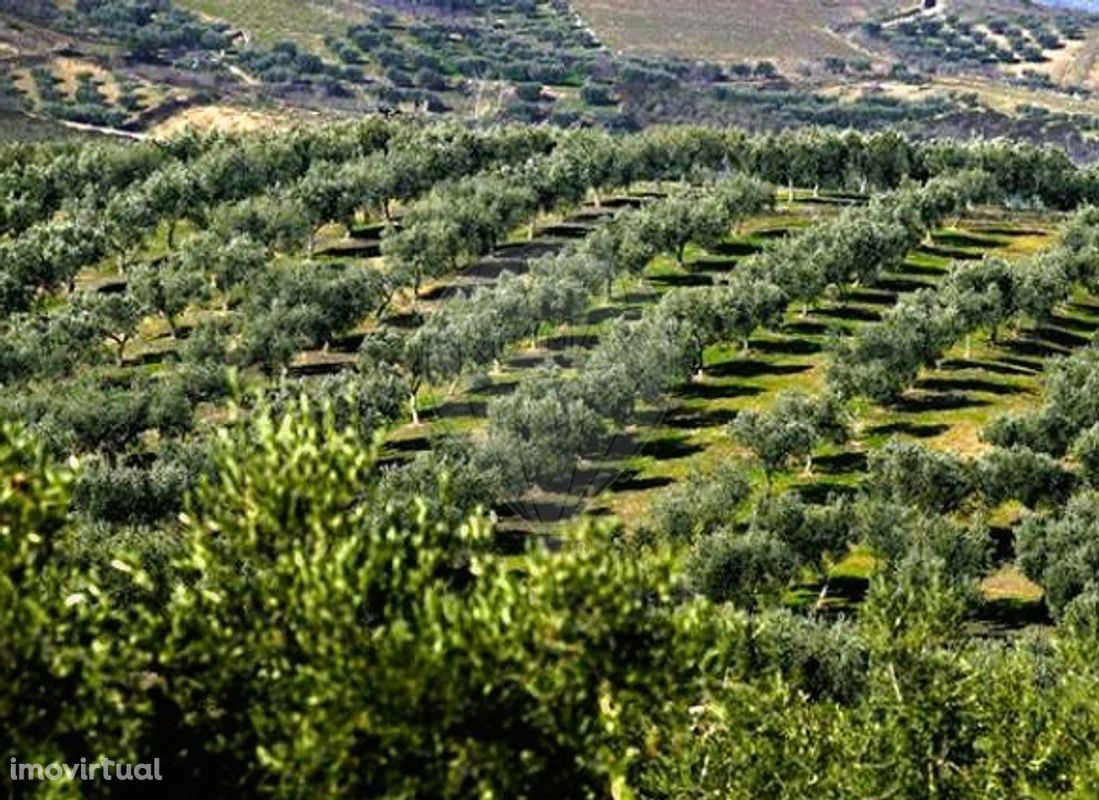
382,459
534,399
962,68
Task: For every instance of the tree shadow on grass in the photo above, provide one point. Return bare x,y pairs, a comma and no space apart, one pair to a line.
807,328
710,391
446,291
849,314
965,239
1076,325
790,347
1003,615
490,269
840,463
873,297
937,402
1003,544
535,361
772,233
495,389
566,230
735,249
968,385
696,419
418,444
314,369
1060,337
1033,366
915,429
753,368
607,313
584,341
1085,307
849,590
527,250
1033,349
1002,230
922,270
630,482
406,320
351,248
690,279
669,448
456,409
995,367
954,253
902,285
712,267
819,493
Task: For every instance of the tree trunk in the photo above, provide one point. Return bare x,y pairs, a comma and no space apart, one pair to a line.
414,408
172,234
823,594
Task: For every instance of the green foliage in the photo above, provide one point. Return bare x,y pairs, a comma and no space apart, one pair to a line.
700,505
789,429
1024,475
539,431
910,474
1057,549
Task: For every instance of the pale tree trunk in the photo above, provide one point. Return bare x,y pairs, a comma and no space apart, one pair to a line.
823,594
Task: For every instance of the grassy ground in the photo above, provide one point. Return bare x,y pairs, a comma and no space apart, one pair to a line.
728,30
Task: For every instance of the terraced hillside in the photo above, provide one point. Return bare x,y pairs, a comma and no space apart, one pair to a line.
328,280
445,460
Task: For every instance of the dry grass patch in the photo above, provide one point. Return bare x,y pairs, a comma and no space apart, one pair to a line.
729,30
1009,583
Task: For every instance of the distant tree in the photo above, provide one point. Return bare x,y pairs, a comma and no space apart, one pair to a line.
167,289
118,317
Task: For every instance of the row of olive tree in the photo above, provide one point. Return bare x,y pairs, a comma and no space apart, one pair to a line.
884,360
